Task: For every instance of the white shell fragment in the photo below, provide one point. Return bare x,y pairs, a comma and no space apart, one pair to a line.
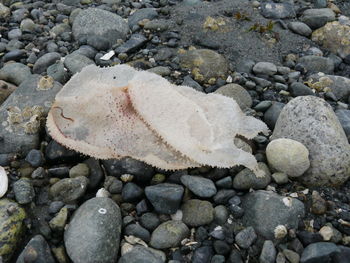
120,112
108,55
3,182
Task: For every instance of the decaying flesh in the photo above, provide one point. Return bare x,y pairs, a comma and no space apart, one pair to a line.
117,111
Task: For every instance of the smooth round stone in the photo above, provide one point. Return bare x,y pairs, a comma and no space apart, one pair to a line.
246,237
97,42
223,195
197,212
141,14
246,179
238,93
316,18
344,119
221,248
169,234
149,221
300,28
80,169
220,214
265,68
37,250
58,223
137,231
268,252
69,189
93,234
11,227
35,158
14,55
14,33
24,191
113,185
200,186
143,254
319,252
45,61
76,62
218,259
27,25
132,192
15,73
288,156
57,72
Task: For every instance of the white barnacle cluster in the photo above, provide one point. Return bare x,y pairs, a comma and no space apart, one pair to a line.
118,111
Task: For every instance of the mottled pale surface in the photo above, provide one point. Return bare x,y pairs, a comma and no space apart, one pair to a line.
118,111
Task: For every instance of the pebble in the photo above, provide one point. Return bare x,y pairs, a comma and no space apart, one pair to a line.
133,43
319,252
58,72
169,234
56,153
69,190
165,198
277,10
218,259
202,255
58,222
15,73
76,62
344,119
272,113
160,70
45,61
24,191
5,12
201,187
14,55
268,252
315,64
220,214
238,93
318,205
81,169
150,221
265,68
260,212
141,254
188,81
197,212
35,158
300,28
137,231
96,224
316,18
246,237
131,192
221,248
141,14
288,156
292,256
280,178
246,179
328,146
225,182
223,195
97,42
299,89
37,250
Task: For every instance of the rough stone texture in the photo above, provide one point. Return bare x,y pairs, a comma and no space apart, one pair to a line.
23,112
204,64
340,86
335,37
238,93
260,212
315,18
39,247
288,156
277,10
93,234
69,190
317,64
169,234
311,121
197,212
93,21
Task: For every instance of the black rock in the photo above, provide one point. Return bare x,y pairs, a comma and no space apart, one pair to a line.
142,207
221,247
225,182
235,257
321,252
246,237
136,41
132,192
299,89
138,231
202,255
165,198
60,171
223,196
307,237
35,158
96,173
37,250
271,115
57,153
277,10
149,221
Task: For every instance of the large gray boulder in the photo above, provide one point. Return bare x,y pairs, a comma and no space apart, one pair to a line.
311,121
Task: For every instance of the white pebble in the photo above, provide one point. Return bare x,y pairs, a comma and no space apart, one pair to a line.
3,182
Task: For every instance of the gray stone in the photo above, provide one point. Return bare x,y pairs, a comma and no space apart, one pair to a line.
268,252
40,248
69,190
5,12
321,252
157,25
220,214
76,62
24,191
300,28
340,86
15,73
238,93
288,156
246,179
45,61
202,255
188,81
271,115
316,18
311,121
280,178
149,221
299,89
27,25
35,158
200,186
14,33
133,43
141,254
22,113
316,64
165,198
197,212
93,234
137,231
59,29
169,234
144,13
265,68
264,211
132,192
100,43
344,118
14,55
204,64
57,72
292,256
81,169
246,237
105,24
277,10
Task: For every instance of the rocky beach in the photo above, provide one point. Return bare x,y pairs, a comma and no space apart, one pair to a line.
284,62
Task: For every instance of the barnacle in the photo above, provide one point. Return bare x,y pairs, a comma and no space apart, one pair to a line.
118,111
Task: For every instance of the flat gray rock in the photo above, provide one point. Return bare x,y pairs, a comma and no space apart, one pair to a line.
311,121
277,10
93,234
315,18
202,187
24,112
